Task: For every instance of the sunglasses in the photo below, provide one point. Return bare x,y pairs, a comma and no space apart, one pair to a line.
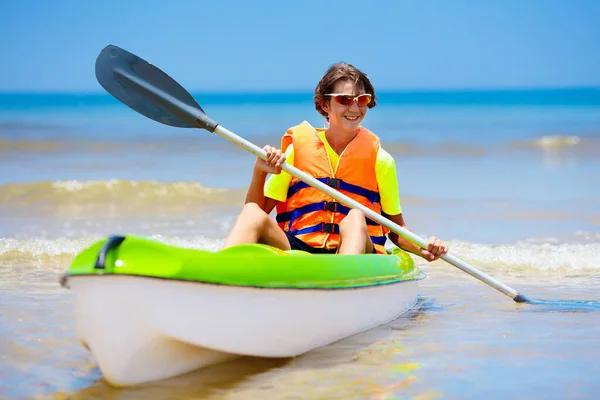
347,99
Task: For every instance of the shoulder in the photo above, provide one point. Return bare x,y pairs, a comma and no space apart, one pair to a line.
303,128
385,159
301,133
289,152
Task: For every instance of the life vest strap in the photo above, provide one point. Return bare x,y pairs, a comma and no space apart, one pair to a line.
321,206
336,183
321,227
333,228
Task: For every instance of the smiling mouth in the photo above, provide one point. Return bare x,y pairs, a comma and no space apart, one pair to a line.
350,118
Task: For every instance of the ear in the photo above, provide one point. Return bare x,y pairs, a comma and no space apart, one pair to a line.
325,105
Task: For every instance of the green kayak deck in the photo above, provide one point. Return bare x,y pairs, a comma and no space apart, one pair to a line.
253,265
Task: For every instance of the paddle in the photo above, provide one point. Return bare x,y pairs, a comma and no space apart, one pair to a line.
152,93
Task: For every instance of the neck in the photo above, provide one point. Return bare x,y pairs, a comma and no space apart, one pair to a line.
338,139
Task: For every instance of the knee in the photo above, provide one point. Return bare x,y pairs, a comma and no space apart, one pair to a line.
251,208
252,212
354,220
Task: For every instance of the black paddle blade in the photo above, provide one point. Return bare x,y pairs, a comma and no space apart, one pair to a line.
148,90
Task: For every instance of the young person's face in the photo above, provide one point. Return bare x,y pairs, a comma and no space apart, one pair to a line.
343,116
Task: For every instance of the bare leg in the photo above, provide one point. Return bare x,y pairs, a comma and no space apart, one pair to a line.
254,225
354,238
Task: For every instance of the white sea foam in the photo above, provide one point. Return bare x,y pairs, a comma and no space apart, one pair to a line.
525,255
566,257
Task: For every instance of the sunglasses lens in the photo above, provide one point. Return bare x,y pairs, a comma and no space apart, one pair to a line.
345,100
363,100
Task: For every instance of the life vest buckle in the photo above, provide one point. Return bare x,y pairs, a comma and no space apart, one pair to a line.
331,206
329,228
333,182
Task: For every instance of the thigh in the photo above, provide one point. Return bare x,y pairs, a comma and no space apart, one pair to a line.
354,221
274,236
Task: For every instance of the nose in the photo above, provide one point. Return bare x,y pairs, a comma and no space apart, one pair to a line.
354,106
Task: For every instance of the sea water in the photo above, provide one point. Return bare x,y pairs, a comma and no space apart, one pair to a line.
509,179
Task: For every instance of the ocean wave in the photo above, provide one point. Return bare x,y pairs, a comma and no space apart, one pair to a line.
31,146
133,146
61,144
184,144
559,150
124,193
36,249
103,142
24,261
548,144
556,141
529,255
524,256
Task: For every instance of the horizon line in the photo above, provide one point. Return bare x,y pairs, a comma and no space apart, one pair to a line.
292,91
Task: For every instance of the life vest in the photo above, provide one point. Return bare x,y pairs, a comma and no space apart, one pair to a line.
314,216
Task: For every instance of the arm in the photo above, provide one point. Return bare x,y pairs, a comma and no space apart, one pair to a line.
262,168
398,240
435,247
385,170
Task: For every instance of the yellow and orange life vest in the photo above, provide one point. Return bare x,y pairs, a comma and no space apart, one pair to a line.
314,216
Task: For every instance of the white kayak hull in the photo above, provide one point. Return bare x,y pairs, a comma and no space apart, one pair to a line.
144,329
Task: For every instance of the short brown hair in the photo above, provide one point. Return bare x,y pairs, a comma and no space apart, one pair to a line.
341,72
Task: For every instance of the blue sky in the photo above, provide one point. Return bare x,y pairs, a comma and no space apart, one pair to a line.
287,45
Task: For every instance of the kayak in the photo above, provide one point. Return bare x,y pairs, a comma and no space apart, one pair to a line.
148,310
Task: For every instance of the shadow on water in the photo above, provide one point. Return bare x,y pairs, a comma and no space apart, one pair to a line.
201,383
573,306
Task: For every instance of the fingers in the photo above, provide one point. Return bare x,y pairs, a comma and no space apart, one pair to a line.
427,255
275,159
435,249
